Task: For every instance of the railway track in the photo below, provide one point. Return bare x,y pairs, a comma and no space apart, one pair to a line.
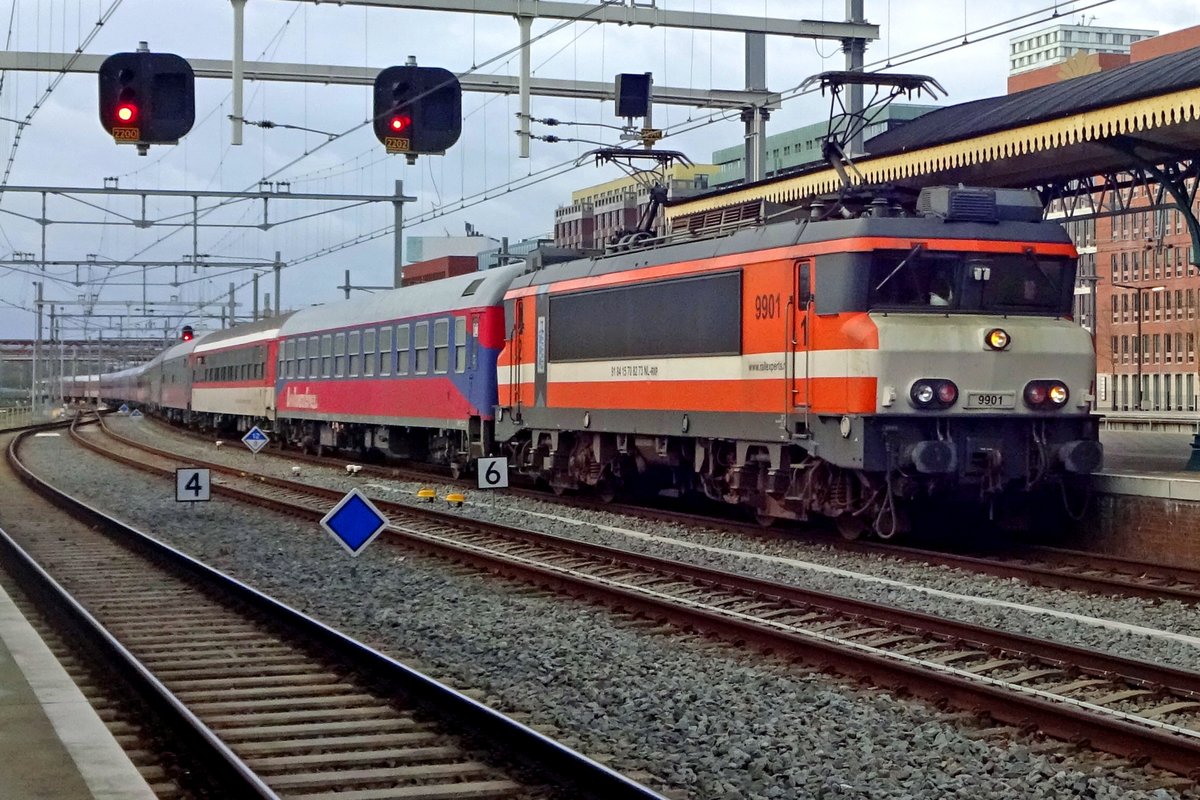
1131,708
1038,565
279,704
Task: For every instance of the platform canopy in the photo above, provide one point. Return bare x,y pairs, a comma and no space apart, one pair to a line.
1071,130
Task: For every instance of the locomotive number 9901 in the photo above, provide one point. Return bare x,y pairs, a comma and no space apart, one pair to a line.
766,306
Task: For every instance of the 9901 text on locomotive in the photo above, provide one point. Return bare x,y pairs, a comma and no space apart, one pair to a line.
903,354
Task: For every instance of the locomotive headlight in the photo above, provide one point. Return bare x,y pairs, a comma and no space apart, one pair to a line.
933,393
997,339
1039,394
922,393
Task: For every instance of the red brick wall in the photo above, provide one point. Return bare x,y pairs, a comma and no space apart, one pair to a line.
1146,528
1073,67
436,268
1168,43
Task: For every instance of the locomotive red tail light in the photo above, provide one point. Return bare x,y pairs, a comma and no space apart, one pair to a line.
933,393
1046,394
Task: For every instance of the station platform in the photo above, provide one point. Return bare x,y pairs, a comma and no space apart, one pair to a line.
1149,464
53,745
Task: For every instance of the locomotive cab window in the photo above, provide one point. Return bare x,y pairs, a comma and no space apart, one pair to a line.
921,280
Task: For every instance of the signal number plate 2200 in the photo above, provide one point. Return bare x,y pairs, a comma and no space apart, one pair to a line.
991,400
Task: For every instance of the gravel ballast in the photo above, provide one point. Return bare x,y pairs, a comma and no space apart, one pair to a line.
683,543
707,721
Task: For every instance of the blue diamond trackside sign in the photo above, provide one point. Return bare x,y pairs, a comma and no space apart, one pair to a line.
354,522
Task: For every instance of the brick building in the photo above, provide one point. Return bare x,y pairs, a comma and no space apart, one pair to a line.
1132,264
437,268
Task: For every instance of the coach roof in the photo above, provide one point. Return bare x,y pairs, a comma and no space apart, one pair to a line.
473,290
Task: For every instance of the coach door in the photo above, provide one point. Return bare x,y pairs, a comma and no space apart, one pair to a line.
797,356
517,337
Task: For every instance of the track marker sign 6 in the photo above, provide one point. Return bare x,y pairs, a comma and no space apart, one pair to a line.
255,439
493,473
192,485
354,522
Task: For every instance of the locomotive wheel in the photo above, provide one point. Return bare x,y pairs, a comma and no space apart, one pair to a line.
764,520
850,527
456,470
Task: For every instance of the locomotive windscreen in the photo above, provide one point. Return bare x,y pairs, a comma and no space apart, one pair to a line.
970,281
682,317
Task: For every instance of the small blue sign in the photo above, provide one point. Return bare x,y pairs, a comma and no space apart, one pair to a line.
255,439
136,413
354,522
124,409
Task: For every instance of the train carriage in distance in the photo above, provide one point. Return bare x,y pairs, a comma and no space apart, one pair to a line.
409,372
233,375
851,367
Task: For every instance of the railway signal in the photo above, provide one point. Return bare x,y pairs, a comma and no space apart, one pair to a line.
147,98
187,334
417,110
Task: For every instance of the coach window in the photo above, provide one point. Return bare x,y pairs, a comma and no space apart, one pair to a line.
402,343
339,355
385,351
354,351
302,358
441,345
313,360
326,355
460,344
290,357
369,352
421,346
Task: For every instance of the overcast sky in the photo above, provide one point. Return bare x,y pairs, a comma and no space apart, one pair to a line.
66,147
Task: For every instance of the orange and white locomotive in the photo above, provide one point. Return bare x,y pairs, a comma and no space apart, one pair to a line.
848,367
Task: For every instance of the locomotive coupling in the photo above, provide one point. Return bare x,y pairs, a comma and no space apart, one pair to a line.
1081,456
932,457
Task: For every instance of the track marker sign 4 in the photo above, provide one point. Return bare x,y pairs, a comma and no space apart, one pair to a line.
192,485
354,522
255,439
492,472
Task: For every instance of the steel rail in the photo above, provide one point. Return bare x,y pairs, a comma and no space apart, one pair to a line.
585,777
35,580
1038,565
1059,716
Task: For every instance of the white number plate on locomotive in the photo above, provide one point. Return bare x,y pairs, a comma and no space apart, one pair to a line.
991,400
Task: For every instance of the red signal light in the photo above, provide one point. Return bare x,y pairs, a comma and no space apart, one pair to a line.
127,112
400,123
186,334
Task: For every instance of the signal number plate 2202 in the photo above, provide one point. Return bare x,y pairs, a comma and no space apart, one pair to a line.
991,400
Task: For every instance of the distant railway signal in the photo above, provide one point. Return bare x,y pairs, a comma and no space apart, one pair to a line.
417,110
187,334
147,98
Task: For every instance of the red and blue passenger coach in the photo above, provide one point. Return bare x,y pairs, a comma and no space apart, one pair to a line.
411,371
